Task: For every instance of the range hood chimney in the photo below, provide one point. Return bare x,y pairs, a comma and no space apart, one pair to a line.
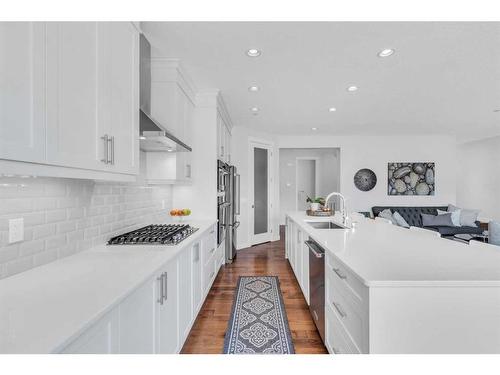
154,136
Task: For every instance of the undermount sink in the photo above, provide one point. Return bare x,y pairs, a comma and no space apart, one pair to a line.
324,225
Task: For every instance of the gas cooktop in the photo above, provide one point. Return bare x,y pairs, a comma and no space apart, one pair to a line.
155,234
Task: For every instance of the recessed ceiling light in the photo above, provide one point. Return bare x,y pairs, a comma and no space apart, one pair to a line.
254,109
496,110
352,88
386,52
314,128
254,88
252,52
332,109
142,137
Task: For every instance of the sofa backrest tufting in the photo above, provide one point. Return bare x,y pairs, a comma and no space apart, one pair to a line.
410,214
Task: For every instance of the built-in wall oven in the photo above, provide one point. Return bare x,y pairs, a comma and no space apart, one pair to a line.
317,285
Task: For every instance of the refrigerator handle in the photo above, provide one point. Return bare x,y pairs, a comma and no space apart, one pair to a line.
237,193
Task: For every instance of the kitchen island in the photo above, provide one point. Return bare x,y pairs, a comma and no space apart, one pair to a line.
392,290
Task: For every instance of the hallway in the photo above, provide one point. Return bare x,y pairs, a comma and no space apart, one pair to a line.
207,334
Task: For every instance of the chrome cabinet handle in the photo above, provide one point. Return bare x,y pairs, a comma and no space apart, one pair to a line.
339,273
188,170
336,351
165,288
105,138
111,158
197,253
211,251
212,274
315,251
160,280
339,309
315,315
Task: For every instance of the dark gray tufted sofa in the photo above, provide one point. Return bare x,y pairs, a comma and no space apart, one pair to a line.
412,217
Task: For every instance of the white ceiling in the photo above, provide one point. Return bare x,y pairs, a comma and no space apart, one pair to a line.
444,77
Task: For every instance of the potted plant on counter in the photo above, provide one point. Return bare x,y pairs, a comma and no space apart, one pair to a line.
315,203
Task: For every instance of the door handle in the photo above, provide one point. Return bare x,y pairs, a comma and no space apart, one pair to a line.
315,315
313,249
339,309
165,288
160,298
105,138
339,273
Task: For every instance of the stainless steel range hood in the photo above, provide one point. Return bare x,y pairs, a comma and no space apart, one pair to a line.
154,136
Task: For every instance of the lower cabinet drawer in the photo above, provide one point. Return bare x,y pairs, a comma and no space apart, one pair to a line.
348,312
337,338
209,247
208,273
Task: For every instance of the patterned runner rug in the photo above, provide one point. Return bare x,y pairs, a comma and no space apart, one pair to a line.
258,322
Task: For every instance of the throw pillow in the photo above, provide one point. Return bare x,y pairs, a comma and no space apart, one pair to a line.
455,216
468,218
437,220
387,214
400,220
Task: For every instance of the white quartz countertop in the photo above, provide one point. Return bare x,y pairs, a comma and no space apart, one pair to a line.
43,309
387,255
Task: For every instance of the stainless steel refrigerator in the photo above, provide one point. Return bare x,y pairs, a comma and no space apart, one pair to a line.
228,204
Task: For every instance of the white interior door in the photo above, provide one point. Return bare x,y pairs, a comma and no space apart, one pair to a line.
306,182
260,193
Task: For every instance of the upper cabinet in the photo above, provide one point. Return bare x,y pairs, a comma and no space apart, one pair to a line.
223,132
80,84
22,91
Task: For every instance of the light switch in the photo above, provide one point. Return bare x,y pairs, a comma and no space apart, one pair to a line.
16,230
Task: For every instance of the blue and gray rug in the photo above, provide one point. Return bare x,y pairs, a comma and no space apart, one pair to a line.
258,322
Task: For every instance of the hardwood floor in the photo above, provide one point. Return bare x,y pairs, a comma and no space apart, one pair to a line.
207,334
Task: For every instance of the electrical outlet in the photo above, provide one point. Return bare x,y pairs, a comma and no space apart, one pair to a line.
16,230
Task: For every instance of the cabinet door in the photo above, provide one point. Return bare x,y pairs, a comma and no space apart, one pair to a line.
298,257
74,124
167,313
137,320
227,144
185,294
22,91
123,84
101,338
196,275
220,137
305,270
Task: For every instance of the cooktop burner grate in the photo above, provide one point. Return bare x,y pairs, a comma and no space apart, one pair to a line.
155,234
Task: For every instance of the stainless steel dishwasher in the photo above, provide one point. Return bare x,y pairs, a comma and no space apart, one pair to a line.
317,285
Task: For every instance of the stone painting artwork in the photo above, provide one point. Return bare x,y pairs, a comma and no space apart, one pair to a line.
365,179
411,178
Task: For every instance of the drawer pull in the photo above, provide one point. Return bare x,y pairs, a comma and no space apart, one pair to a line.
339,274
212,274
211,251
339,309
335,351
315,315
161,292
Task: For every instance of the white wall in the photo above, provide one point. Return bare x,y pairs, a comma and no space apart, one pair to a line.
328,174
375,152
240,154
478,180
65,216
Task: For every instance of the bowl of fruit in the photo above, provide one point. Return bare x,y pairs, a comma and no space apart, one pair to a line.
180,213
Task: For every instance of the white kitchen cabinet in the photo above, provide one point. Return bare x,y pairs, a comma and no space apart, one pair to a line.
137,319
196,277
167,313
223,140
69,99
22,91
157,316
75,123
92,95
100,338
186,290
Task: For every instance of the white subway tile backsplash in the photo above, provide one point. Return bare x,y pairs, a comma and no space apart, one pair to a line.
64,216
